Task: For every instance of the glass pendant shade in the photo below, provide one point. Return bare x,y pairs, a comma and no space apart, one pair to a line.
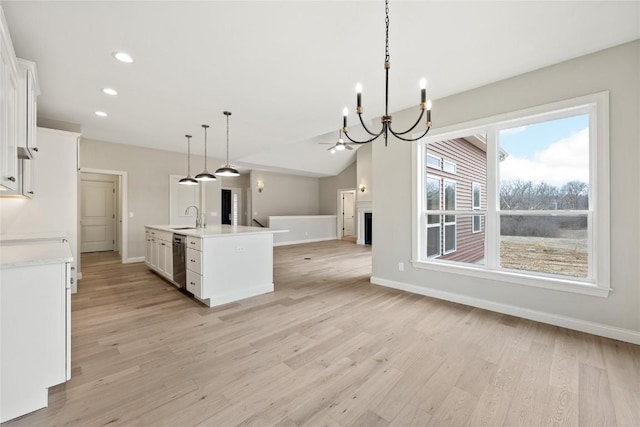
227,169
205,175
188,180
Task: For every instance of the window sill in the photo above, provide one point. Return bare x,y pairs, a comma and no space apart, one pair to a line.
553,283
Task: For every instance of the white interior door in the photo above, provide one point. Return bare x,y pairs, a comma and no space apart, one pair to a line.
348,213
97,216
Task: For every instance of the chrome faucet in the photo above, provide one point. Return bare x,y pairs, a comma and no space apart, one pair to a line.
199,218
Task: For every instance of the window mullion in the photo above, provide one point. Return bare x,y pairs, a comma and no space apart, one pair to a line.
492,219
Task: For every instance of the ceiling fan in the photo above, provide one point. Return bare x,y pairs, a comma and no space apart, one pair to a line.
339,145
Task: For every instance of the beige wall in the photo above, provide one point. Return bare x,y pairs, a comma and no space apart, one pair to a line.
616,70
284,195
329,187
364,173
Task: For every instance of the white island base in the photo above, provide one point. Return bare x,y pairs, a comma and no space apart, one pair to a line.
223,263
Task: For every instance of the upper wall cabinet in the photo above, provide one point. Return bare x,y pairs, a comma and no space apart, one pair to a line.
28,92
8,111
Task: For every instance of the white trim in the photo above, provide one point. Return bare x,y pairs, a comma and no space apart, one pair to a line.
297,242
599,329
133,260
125,207
79,276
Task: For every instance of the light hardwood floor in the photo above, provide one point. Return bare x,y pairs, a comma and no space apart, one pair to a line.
326,348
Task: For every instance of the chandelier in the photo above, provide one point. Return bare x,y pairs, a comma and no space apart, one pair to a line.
386,119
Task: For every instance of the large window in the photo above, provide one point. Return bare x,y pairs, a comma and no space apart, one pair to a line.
524,205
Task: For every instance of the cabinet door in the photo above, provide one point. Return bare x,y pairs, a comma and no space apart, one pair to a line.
147,257
27,167
155,248
162,256
8,124
168,260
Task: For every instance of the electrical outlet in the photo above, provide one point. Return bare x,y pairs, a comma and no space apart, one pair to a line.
214,213
401,266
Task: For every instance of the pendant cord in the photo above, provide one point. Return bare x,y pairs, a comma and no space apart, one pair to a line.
227,139
188,156
205,149
386,21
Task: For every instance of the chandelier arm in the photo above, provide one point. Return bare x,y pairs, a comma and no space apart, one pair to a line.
367,129
362,142
397,135
411,128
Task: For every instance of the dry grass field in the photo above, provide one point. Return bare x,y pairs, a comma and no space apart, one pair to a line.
566,256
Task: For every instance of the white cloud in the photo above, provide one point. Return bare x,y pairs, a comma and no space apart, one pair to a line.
562,161
513,130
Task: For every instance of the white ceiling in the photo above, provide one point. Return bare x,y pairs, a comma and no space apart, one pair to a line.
285,69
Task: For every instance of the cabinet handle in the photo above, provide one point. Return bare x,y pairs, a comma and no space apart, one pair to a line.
193,243
35,149
30,192
192,260
12,178
191,283
162,244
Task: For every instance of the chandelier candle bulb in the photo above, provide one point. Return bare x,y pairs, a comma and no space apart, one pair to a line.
359,95
429,113
345,113
423,90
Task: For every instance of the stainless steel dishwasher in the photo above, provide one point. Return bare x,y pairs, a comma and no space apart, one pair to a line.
179,255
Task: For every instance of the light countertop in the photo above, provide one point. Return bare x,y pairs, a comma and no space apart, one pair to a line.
216,230
23,255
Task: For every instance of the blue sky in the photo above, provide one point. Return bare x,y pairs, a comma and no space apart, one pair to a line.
525,141
554,152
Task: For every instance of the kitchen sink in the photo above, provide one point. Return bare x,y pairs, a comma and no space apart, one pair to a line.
183,228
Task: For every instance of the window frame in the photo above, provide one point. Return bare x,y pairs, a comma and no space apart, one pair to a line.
476,208
435,224
439,167
444,221
449,162
598,282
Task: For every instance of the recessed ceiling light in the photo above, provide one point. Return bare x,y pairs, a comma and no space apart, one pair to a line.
100,113
109,91
123,57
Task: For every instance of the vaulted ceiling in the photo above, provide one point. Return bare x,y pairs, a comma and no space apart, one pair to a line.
285,68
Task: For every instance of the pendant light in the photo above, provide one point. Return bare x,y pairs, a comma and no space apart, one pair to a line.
188,180
386,119
205,175
227,169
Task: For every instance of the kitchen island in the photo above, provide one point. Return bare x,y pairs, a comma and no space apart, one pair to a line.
217,264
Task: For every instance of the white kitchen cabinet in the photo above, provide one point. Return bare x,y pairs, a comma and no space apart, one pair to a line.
35,324
27,108
159,252
8,111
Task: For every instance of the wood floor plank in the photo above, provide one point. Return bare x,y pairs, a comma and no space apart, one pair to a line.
326,348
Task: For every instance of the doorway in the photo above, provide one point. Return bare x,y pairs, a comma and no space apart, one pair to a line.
121,212
226,207
347,212
98,212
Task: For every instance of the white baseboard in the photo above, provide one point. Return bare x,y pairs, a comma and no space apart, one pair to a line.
607,331
133,259
297,242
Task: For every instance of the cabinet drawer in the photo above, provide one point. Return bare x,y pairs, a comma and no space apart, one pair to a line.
194,243
194,283
167,236
194,260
